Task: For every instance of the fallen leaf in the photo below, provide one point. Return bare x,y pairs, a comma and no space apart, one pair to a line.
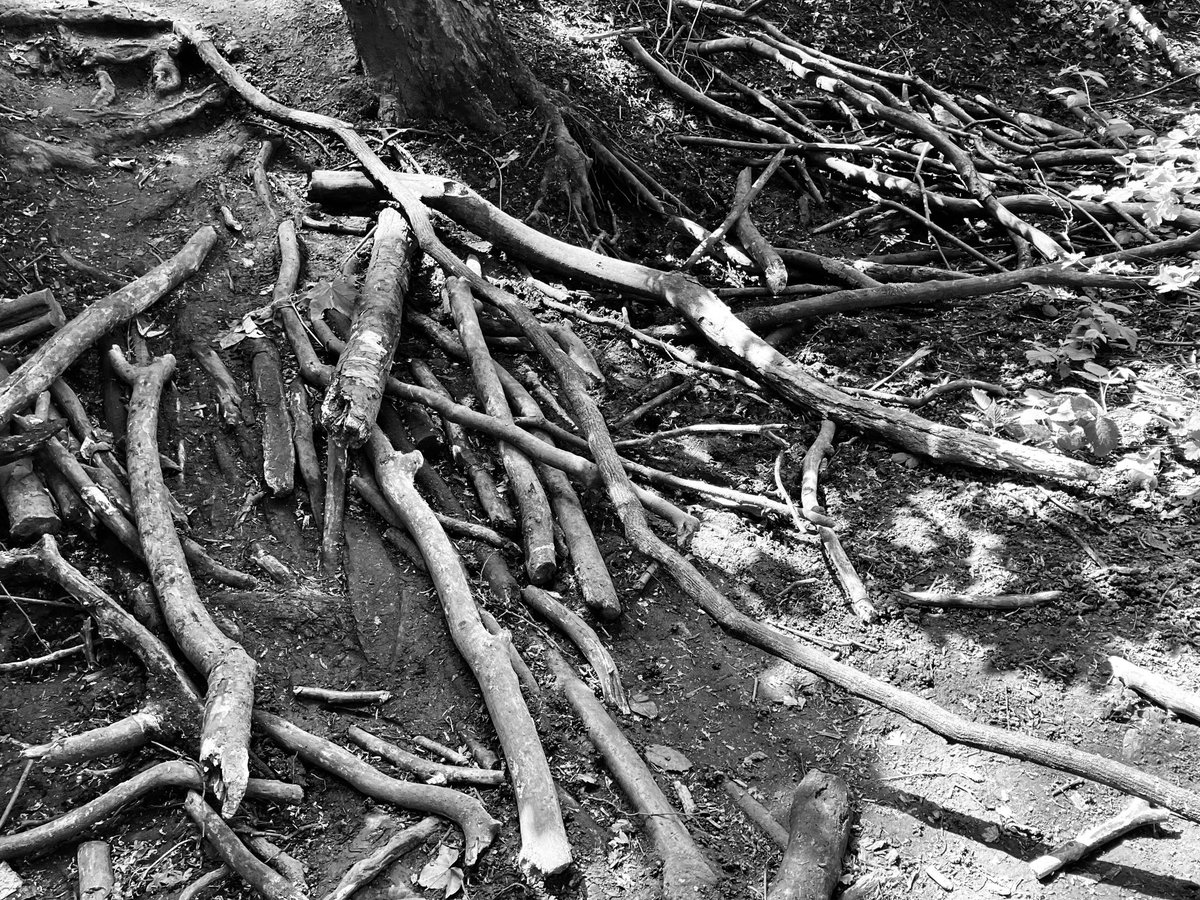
441,873
667,758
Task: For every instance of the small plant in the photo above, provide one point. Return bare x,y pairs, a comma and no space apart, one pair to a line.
1095,331
1068,420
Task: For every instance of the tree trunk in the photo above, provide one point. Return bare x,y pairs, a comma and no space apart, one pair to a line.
447,59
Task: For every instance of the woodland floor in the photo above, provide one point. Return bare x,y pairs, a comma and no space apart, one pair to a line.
907,524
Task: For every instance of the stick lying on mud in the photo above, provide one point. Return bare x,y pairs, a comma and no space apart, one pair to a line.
53,357
228,668
536,521
544,845
686,873
478,827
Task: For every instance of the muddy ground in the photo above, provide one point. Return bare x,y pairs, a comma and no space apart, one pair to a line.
920,804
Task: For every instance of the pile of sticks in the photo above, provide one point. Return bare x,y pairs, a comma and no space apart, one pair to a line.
377,414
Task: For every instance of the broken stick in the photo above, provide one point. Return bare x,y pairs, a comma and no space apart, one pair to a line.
228,669
1135,815
544,845
352,400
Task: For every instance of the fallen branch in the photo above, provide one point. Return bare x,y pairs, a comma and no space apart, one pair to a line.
1163,691
585,640
976,601
229,848
686,873
229,670
68,827
479,829
1135,815
544,845
369,867
770,264
430,772
811,467
536,522
494,506
818,832
51,359
757,813
741,203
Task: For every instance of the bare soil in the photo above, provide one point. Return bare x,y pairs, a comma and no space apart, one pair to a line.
919,803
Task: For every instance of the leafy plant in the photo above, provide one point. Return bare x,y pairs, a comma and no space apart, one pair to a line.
1068,420
1095,331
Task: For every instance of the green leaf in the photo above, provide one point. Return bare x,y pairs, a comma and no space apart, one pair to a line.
1102,433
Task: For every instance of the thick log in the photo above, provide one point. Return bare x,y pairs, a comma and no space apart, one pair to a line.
229,670
30,508
537,527
686,873
544,845
352,401
30,306
818,832
479,829
278,448
51,359
229,848
93,860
